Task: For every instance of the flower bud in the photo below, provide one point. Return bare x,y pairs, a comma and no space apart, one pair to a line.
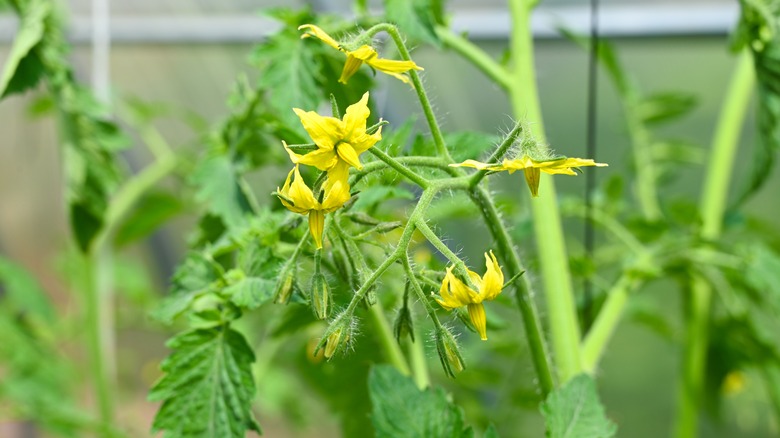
320,295
337,337
449,352
285,283
403,325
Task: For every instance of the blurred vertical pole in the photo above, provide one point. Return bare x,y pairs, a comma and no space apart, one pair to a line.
590,176
100,256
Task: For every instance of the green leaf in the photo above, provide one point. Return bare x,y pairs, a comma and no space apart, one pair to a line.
290,72
150,213
22,291
251,292
401,409
396,140
574,411
23,68
416,19
193,277
208,388
762,273
663,107
469,144
218,183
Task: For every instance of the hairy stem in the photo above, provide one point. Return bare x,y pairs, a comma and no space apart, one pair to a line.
498,153
400,168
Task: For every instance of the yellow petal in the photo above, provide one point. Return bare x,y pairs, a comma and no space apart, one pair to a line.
347,153
493,280
579,162
476,280
460,292
363,53
472,163
445,298
532,176
300,193
316,225
355,118
312,30
518,164
478,318
325,131
336,194
339,172
322,159
392,66
350,68
364,142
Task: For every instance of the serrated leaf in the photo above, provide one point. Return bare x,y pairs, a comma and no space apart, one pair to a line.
401,409
23,68
416,19
217,181
251,292
289,70
194,276
208,388
574,411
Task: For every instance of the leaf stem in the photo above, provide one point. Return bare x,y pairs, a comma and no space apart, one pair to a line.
400,168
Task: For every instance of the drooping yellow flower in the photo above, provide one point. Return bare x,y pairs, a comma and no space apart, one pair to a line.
363,54
454,293
533,168
298,198
339,142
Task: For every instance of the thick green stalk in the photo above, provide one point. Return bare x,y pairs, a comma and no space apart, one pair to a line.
564,325
476,55
712,206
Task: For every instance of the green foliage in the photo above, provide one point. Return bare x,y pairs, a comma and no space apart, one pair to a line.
402,409
150,213
208,388
220,189
416,19
23,68
758,31
574,411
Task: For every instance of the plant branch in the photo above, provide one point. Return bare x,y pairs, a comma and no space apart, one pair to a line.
477,56
400,168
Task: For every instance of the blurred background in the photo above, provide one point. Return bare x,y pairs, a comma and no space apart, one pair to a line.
187,54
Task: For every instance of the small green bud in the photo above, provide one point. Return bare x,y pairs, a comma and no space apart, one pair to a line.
285,283
361,218
386,227
319,295
403,325
449,352
337,337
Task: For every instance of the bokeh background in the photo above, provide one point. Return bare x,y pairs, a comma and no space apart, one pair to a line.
188,53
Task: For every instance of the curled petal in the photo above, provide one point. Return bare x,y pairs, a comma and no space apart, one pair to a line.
532,177
392,66
322,159
493,280
347,153
300,193
363,53
350,68
355,117
472,163
336,194
315,31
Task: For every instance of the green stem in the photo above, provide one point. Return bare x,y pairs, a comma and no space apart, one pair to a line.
387,340
437,243
419,362
644,164
477,56
400,168
525,301
564,325
375,166
606,322
712,206
430,117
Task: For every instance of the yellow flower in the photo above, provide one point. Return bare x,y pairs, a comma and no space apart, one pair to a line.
339,142
298,198
533,168
360,55
454,293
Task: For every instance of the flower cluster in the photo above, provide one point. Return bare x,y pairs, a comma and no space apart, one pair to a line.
338,145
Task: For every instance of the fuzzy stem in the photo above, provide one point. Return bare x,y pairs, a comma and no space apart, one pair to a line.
498,153
430,117
400,168
564,324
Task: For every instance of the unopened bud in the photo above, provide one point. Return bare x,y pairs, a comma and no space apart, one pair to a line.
320,295
386,227
337,337
361,218
285,283
449,352
403,325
